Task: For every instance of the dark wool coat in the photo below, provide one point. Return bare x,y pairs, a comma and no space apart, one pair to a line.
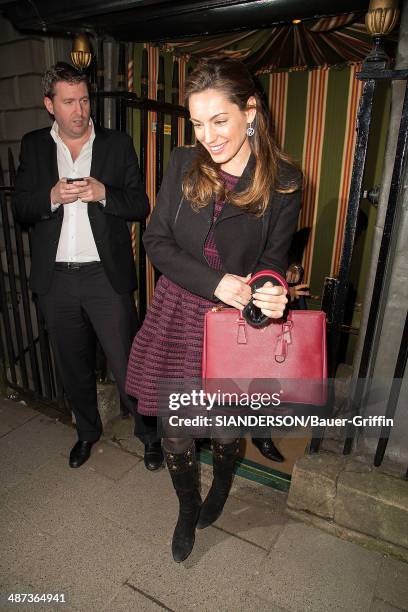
175,237
114,163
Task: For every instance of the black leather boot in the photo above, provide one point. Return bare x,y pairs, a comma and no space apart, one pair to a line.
184,474
224,457
267,448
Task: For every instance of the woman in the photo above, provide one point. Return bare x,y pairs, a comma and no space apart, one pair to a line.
226,208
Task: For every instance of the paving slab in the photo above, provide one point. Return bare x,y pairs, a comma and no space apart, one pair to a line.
251,522
43,437
143,502
20,541
111,462
383,606
154,515
89,561
129,598
55,492
13,583
11,476
252,603
369,542
102,535
214,577
14,414
392,585
121,433
308,570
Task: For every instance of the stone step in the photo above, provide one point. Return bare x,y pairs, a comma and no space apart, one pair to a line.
353,496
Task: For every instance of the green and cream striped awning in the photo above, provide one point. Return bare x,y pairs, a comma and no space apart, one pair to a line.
314,113
299,46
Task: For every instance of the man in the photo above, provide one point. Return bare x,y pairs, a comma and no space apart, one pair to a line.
79,185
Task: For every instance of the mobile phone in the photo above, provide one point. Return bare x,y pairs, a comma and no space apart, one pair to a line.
72,180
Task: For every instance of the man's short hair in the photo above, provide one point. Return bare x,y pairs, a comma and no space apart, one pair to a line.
61,71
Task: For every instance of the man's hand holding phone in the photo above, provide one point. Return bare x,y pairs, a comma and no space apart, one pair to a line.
68,190
94,191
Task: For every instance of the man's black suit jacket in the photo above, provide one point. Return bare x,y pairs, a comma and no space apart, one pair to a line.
114,163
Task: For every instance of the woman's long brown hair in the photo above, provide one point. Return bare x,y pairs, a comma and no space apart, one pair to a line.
203,181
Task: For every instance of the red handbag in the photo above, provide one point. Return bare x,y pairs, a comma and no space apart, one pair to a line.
286,356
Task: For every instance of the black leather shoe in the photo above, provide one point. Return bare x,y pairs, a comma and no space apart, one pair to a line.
80,453
153,455
267,448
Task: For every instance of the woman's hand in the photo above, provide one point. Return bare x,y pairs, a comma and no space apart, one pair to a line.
234,291
271,299
299,290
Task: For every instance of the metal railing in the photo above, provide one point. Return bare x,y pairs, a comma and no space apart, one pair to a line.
26,358
335,296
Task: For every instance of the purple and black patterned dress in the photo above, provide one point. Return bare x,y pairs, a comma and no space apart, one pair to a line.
169,343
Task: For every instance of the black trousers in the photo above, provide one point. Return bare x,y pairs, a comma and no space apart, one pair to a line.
80,307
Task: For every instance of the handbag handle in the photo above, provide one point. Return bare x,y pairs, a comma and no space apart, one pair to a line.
270,274
251,313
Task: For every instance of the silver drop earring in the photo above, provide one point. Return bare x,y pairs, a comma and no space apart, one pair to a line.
250,130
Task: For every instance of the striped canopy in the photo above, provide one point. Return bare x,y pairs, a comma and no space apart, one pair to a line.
314,113
299,46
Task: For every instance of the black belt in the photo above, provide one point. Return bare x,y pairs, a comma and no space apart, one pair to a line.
74,265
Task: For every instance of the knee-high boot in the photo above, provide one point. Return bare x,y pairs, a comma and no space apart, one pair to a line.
184,474
224,457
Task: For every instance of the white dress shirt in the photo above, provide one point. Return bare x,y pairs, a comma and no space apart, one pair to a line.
76,241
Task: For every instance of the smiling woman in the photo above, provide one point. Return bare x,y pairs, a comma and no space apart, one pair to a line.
230,123
226,208
221,127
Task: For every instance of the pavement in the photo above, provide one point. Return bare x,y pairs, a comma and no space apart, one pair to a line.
100,536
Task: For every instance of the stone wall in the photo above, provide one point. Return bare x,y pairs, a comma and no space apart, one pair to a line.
350,498
23,60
